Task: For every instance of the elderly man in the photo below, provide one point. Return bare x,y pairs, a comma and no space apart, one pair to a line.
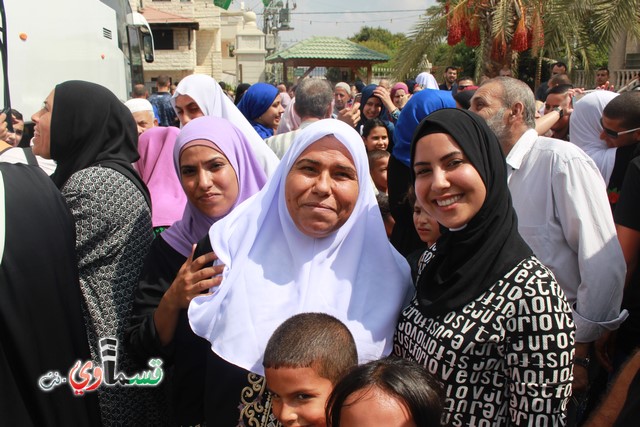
341,96
142,112
312,103
563,213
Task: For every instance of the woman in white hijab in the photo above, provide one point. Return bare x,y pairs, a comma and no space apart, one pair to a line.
427,81
312,240
585,130
199,95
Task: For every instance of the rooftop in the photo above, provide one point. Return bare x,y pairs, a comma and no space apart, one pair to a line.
159,17
328,48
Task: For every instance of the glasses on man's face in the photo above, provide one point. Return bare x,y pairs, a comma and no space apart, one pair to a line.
613,134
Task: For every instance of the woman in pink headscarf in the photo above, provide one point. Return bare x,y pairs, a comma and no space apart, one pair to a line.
156,169
400,95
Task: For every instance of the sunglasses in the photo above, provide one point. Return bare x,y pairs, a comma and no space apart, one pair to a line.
613,134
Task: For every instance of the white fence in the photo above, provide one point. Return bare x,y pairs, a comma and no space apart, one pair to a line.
618,78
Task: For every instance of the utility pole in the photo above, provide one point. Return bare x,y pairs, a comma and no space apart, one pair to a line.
276,18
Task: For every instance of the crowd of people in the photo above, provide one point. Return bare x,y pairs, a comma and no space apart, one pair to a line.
397,254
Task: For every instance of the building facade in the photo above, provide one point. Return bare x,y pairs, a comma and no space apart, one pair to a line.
196,37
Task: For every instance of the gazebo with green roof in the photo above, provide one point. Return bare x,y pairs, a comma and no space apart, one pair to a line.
328,52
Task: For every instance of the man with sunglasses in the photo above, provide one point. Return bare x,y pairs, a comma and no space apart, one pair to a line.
621,128
620,121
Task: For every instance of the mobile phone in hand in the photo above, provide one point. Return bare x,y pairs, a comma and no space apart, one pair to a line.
355,99
9,118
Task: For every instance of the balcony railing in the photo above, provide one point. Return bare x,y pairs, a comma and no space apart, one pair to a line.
619,78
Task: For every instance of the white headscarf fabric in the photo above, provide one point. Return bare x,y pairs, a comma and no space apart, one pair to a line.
427,81
585,129
274,271
212,100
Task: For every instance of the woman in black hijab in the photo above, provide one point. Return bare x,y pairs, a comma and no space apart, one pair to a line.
93,138
488,319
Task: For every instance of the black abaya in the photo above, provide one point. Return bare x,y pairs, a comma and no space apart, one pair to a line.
41,324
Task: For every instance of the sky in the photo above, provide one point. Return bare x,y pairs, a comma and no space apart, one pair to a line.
343,18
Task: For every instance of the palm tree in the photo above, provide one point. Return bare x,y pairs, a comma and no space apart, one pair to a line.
500,29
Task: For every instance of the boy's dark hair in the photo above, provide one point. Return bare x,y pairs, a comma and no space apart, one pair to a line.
374,155
411,198
371,124
403,379
312,340
383,204
450,67
625,107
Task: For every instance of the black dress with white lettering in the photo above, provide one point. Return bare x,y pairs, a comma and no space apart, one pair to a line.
503,359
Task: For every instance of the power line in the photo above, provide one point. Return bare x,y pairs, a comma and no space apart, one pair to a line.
354,12
397,18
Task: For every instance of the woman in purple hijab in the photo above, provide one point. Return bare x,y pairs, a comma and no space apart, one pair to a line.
217,170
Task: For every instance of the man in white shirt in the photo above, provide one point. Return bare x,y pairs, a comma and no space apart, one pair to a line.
563,213
311,103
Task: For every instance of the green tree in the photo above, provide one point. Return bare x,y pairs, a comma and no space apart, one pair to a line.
577,31
380,40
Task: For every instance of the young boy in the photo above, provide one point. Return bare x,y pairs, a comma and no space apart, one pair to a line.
378,165
305,357
385,211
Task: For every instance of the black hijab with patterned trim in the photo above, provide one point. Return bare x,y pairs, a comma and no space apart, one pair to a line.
472,259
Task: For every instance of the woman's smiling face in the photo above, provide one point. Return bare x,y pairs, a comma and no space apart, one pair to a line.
372,108
447,185
321,189
42,129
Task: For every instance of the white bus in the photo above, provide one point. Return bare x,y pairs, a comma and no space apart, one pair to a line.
51,41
